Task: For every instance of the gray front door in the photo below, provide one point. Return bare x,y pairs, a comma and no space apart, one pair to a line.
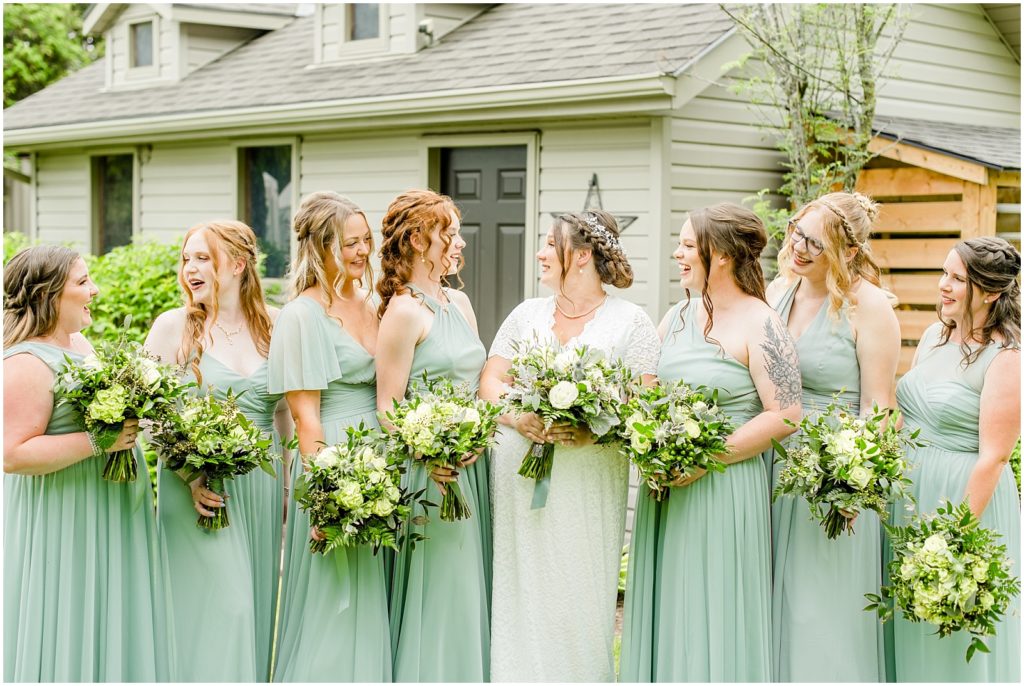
489,186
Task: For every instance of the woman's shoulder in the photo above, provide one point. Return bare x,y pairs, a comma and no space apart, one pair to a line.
169,320
778,287
872,297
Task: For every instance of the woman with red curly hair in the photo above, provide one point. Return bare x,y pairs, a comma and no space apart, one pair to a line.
440,611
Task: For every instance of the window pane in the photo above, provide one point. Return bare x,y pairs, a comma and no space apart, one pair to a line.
142,44
113,184
364,21
267,193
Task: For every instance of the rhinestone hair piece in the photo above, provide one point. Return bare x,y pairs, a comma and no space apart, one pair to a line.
597,227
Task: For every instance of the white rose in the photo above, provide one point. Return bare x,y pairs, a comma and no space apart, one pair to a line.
563,395
639,443
92,362
699,406
378,463
692,428
376,477
367,456
986,600
563,361
936,543
980,573
150,372
383,507
859,478
327,458
471,416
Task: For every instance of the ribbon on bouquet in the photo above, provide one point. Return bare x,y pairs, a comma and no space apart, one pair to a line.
537,465
540,492
344,578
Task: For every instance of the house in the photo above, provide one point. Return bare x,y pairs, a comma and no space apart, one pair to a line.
201,111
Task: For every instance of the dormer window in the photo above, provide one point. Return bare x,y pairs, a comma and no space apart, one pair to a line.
363,21
141,44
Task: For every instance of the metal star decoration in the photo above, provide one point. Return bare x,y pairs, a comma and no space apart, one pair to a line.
593,202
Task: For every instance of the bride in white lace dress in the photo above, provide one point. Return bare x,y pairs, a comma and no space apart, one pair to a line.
556,568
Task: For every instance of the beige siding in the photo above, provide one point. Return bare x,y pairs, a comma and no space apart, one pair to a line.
203,44
447,16
400,33
63,201
165,46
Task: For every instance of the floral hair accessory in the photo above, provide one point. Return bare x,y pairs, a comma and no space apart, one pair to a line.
600,229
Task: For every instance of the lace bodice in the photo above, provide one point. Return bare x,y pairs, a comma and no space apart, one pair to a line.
619,328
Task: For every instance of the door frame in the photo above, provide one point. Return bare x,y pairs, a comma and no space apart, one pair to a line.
430,166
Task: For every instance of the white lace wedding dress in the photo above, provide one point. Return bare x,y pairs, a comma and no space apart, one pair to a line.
556,568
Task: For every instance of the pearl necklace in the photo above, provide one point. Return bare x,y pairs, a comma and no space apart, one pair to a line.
584,314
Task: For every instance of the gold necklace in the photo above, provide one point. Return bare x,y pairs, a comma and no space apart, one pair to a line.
578,316
229,334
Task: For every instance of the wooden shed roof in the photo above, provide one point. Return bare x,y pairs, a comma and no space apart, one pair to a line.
991,146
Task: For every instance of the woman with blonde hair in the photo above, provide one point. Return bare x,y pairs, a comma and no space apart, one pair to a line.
441,588
81,574
963,393
228,577
848,342
334,611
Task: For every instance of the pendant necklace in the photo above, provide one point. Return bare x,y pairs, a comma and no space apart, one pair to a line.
228,334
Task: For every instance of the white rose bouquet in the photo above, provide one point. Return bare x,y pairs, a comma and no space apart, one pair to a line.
213,437
949,571
671,431
576,385
841,463
353,494
119,382
440,424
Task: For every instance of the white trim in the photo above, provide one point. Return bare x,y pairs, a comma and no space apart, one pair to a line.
137,193
110,151
149,71
706,69
33,204
237,197
233,18
368,46
661,213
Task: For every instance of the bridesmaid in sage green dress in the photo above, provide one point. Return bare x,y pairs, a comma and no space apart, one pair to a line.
334,613
82,584
698,590
223,584
820,631
441,588
963,392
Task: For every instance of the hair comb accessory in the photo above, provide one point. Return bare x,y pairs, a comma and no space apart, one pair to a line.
600,229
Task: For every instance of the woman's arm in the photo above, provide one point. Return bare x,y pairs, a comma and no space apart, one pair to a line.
878,348
401,328
305,411
998,428
164,338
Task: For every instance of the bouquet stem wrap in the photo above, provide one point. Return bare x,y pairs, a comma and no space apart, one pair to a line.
219,520
121,466
537,465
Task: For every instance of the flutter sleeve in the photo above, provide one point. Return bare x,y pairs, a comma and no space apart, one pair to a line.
302,357
643,348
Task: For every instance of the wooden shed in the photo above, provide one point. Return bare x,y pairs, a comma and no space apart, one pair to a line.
938,183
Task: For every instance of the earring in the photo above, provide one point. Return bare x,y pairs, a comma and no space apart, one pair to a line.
423,259
581,270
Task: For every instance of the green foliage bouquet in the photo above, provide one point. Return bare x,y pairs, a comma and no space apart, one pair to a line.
843,463
949,571
352,492
440,424
119,382
671,431
213,437
577,385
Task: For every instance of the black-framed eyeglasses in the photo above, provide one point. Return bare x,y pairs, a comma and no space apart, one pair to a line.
796,235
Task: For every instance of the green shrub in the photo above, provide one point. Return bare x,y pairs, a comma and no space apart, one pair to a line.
14,241
1015,464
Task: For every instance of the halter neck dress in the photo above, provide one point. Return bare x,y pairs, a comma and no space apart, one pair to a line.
440,605
698,594
820,631
83,589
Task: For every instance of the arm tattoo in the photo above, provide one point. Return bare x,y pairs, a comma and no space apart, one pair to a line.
782,364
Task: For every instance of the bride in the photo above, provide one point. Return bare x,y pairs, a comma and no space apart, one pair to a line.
556,568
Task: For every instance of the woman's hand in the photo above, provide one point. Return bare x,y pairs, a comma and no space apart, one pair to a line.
681,479
203,498
852,516
472,456
564,433
126,439
315,534
531,427
443,475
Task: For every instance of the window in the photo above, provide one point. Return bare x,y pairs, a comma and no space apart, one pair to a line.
363,21
141,44
112,194
266,193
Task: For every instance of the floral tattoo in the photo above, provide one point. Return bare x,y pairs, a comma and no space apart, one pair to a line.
782,364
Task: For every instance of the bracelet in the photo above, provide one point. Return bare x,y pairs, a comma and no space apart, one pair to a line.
93,443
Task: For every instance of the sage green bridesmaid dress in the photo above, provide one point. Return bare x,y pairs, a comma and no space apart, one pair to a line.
943,399
820,631
440,603
334,612
83,589
698,595
223,583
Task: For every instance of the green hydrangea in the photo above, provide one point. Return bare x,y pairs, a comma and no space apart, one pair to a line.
109,405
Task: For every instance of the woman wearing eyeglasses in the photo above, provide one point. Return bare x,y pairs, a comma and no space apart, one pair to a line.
848,340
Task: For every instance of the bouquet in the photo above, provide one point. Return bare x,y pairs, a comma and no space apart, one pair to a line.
843,463
119,382
949,571
439,425
671,431
576,385
214,438
352,492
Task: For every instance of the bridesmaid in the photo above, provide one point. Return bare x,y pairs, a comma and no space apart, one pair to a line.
80,561
963,392
440,600
334,613
847,338
699,585
222,335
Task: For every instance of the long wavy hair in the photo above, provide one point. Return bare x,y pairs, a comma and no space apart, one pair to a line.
573,231
34,281
319,227
847,220
734,232
228,240
415,212
993,266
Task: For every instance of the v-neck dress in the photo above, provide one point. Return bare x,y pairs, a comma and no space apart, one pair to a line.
83,590
334,612
820,631
229,576
698,591
943,399
440,610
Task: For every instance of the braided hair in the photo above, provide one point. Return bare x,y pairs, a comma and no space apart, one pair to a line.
993,266
34,281
598,231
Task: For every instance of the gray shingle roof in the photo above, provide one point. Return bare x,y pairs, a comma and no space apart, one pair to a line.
991,146
508,44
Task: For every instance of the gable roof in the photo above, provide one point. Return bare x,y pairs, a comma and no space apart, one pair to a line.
100,16
508,44
991,146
